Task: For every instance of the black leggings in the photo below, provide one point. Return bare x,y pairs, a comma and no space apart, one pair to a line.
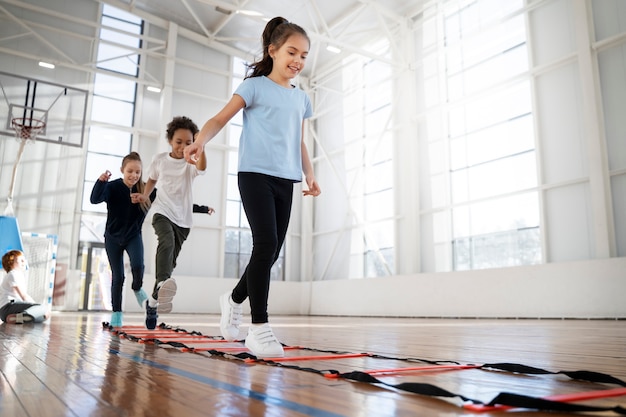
267,203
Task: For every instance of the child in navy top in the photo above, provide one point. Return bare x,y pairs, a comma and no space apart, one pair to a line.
125,216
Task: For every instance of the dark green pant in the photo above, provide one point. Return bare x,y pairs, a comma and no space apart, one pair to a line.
170,240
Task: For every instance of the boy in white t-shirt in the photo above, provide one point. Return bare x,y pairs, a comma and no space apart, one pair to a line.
16,306
172,210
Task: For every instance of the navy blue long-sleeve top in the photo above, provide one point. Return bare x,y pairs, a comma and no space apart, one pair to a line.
124,218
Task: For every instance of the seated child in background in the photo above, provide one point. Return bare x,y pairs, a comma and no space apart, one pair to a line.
16,306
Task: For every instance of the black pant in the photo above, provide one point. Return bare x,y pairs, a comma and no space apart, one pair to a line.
115,253
267,203
170,241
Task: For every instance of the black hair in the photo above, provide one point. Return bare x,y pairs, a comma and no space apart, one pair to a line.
181,122
276,33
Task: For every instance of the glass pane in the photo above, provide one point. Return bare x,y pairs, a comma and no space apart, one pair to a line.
378,95
232,241
382,234
233,165
112,111
389,255
232,191
488,111
504,139
462,257
377,121
233,209
503,176
245,242
379,177
354,155
96,164
510,248
379,205
240,67
87,206
243,263
115,58
375,265
123,26
277,273
234,133
111,141
380,149
231,265
92,227
120,14
244,218
508,213
114,87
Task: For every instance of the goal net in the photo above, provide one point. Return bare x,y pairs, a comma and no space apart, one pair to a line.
40,251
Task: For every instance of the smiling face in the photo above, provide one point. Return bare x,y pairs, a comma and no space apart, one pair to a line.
289,59
180,139
132,173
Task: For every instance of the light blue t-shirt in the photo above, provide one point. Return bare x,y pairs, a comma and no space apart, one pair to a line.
270,141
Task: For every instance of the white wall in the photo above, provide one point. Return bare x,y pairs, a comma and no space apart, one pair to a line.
582,289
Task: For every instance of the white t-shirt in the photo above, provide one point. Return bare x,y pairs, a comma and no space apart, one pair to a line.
8,286
174,197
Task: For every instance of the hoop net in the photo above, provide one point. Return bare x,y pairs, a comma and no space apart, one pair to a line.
27,128
26,131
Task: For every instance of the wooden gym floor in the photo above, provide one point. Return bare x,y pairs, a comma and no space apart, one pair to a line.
73,366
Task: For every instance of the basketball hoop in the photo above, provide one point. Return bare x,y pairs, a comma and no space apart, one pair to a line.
27,128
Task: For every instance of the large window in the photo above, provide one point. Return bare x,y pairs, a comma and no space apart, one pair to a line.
481,173
369,165
112,110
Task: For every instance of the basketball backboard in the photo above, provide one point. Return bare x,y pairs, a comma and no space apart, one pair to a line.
63,109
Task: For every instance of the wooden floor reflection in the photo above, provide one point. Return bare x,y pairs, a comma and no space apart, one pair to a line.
71,366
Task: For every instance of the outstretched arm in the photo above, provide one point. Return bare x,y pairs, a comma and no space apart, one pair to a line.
194,152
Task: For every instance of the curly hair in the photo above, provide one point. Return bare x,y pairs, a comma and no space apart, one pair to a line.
8,259
180,122
276,33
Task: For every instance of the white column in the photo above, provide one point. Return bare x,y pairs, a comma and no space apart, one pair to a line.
168,82
599,180
406,170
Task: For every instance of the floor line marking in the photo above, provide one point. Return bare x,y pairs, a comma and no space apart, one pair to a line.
235,389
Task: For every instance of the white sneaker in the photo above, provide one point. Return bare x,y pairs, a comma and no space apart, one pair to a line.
262,342
231,317
167,291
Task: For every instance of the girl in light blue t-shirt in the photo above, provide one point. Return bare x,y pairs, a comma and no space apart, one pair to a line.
272,157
